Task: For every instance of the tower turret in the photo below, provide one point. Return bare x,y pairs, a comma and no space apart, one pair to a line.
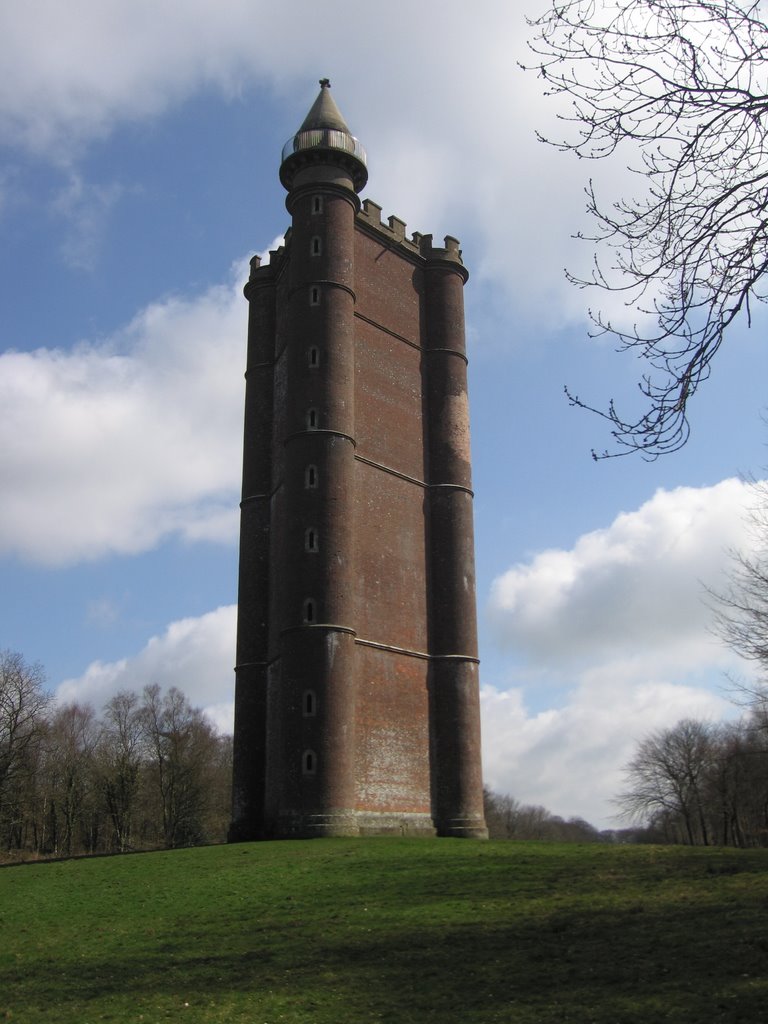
323,140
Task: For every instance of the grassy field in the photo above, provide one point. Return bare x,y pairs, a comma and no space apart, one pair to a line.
346,932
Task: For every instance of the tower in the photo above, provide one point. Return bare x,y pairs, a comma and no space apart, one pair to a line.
356,703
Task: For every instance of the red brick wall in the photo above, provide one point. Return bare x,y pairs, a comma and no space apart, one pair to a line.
392,706
392,733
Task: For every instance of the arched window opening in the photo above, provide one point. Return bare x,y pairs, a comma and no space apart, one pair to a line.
310,612
317,204
311,540
311,419
309,762
313,357
316,246
314,295
310,477
309,704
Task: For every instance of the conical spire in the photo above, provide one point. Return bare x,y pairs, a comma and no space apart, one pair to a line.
324,113
324,138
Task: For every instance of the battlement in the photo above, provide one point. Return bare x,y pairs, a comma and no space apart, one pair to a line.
394,231
273,263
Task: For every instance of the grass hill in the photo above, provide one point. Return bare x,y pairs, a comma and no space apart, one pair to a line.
395,930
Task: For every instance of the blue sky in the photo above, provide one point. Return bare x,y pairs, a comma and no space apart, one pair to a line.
139,147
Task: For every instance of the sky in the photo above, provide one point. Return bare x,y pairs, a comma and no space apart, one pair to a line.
139,148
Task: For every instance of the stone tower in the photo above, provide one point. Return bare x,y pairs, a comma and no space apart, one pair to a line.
356,706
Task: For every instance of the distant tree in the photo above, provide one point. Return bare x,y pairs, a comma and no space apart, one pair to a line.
668,779
577,830
507,818
682,85
700,784
151,771
500,814
218,806
118,765
72,819
24,704
737,780
179,744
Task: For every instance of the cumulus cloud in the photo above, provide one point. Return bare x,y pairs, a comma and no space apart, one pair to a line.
115,444
569,759
69,74
195,655
635,587
610,640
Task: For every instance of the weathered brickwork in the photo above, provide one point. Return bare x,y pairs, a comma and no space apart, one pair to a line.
391,560
356,708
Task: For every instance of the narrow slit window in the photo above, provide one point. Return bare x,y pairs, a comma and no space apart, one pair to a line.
310,612
309,704
314,295
311,419
313,357
317,204
316,246
309,762
310,477
311,540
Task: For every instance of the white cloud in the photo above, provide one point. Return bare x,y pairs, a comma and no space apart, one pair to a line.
195,654
70,73
114,445
635,587
610,640
569,759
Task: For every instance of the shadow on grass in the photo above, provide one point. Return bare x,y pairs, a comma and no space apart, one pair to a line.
689,964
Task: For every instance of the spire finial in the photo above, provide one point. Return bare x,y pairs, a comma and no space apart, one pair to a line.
325,83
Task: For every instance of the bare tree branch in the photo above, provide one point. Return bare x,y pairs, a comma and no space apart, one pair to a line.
682,84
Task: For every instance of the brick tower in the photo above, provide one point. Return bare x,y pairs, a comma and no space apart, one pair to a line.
356,704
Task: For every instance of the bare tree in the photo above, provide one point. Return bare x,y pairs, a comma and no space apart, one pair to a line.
73,806
740,608
667,780
180,745
23,707
682,86
119,761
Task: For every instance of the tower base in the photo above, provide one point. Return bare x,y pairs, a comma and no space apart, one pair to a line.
353,823
463,828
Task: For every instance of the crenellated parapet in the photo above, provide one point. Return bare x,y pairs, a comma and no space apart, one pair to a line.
394,234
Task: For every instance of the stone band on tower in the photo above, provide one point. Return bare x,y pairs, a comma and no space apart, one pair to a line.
356,704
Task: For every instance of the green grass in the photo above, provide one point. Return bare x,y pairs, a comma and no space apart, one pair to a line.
396,930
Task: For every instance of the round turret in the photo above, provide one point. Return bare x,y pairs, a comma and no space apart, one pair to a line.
324,139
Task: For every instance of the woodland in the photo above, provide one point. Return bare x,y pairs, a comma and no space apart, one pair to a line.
149,772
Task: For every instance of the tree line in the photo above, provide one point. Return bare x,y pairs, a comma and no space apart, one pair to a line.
507,818
149,771
702,783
